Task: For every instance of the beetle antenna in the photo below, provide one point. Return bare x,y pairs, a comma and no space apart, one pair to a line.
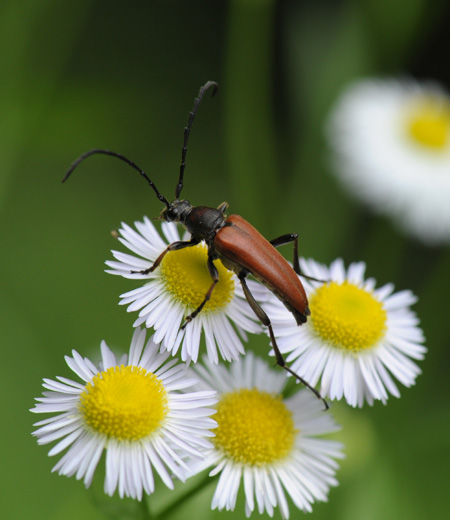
187,130
122,158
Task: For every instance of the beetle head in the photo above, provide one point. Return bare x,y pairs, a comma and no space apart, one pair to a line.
177,211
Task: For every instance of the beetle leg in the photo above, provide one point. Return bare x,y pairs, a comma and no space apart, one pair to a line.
287,239
174,246
215,277
265,320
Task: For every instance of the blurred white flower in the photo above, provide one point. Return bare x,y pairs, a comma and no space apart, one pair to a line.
390,142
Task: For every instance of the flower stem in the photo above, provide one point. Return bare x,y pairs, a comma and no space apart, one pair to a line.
203,482
249,111
146,514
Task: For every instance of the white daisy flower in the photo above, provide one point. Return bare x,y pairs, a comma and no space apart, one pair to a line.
358,338
391,148
176,288
134,410
268,443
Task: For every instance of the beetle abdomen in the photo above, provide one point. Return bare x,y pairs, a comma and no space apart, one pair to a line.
242,247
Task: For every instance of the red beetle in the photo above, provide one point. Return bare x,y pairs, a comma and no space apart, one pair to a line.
232,240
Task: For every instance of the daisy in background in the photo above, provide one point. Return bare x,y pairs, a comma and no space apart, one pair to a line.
136,409
177,287
358,339
267,443
390,142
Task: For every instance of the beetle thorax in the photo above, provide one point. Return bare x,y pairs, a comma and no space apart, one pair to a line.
203,222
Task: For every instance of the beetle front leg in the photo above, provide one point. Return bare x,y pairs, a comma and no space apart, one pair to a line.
287,239
265,320
215,278
174,246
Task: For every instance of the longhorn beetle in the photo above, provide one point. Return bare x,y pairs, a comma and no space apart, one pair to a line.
239,246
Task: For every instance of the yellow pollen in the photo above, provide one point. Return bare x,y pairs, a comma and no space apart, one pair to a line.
429,123
347,316
255,427
125,403
187,278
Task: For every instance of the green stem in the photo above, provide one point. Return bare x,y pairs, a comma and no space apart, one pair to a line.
146,514
249,125
165,513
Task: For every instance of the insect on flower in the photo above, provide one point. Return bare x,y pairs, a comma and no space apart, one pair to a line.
232,240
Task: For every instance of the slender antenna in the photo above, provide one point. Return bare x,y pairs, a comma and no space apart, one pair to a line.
187,130
122,158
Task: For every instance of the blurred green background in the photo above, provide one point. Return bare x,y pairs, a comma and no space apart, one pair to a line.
123,76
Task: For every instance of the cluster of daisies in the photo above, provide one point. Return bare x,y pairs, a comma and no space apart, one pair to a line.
156,418
163,412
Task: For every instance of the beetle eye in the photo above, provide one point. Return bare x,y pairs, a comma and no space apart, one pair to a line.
172,215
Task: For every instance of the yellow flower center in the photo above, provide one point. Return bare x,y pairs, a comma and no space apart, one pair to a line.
187,278
429,123
255,427
347,316
126,403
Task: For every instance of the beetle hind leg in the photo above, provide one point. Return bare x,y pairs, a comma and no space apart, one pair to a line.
287,239
265,320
